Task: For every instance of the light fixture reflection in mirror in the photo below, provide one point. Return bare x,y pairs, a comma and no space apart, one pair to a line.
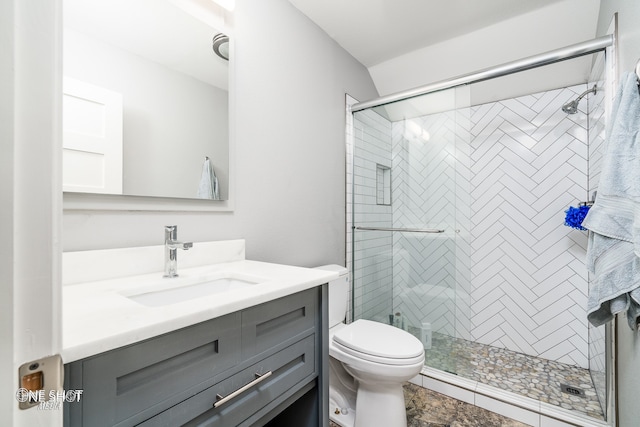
173,90
227,4
221,46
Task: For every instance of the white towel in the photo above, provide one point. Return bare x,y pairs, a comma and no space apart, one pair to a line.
613,253
208,187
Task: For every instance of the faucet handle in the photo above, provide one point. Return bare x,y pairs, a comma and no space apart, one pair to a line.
170,232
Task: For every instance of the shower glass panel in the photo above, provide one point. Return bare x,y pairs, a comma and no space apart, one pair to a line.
407,217
458,235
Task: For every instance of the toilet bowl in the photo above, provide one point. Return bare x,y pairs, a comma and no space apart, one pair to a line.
369,362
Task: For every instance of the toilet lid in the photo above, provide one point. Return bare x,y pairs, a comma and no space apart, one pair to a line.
378,339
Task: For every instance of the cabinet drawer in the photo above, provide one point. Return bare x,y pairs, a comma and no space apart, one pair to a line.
266,326
128,385
290,369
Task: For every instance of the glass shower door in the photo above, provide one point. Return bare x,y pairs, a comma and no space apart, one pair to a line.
408,216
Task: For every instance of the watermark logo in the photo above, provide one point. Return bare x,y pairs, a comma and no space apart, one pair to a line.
53,400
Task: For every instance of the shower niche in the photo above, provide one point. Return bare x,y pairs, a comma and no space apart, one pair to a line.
383,185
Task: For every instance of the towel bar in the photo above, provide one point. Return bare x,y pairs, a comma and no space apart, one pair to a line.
404,230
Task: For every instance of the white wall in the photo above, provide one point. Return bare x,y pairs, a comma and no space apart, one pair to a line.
628,356
290,157
536,32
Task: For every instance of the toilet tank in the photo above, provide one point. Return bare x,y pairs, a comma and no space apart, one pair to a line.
338,294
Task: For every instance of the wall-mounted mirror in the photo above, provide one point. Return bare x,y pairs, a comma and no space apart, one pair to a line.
145,98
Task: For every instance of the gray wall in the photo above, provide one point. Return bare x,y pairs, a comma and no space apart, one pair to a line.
291,81
628,355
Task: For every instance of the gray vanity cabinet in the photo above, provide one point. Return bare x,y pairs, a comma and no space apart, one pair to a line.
263,360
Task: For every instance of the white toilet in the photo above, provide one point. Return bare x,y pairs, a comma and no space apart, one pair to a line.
368,363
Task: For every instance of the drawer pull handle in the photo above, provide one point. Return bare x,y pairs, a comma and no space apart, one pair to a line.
259,378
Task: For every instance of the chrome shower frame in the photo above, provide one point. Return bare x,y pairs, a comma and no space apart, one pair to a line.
558,55
605,44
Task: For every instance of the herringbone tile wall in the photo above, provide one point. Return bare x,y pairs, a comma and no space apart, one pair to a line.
529,283
497,178
526,291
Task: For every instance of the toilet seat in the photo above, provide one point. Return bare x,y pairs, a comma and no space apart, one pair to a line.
377,342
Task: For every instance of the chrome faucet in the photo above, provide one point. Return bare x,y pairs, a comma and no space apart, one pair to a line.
171,246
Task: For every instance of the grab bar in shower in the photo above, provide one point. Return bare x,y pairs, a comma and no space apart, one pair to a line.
404,230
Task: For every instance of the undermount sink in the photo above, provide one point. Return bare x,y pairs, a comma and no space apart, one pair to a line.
181,290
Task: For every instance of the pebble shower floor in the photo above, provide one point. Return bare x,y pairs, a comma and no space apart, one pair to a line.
519,373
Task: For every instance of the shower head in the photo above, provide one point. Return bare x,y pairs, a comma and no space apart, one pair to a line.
571,107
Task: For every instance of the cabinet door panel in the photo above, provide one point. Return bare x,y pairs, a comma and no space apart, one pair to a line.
127,385
266,326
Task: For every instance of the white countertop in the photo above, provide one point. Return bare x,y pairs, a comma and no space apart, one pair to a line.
98,316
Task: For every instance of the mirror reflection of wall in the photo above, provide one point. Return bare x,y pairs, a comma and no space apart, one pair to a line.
174,89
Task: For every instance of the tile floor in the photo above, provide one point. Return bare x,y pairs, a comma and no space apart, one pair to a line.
426,408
